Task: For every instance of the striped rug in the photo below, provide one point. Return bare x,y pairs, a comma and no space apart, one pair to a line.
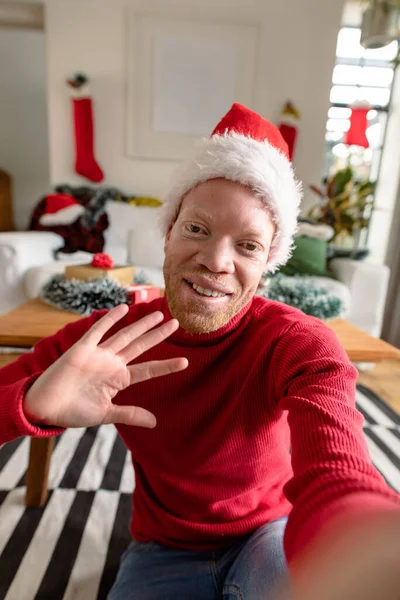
70,549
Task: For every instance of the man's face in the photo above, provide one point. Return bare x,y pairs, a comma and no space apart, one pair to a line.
215,254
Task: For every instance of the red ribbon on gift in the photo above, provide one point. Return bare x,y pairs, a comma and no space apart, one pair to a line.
101,260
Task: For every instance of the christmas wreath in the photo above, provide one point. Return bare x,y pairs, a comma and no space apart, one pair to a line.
301,293
83,297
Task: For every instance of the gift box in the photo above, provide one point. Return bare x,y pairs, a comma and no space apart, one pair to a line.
124,275
143,293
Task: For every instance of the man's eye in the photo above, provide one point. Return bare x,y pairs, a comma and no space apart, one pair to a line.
250,246
194,228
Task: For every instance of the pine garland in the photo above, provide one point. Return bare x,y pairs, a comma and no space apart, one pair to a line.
83,297
141,277
301,293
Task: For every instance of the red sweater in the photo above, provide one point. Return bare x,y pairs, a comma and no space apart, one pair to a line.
218,465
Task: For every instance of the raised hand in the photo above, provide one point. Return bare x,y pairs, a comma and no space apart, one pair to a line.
77,390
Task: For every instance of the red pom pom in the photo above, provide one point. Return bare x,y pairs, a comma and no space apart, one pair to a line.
101,260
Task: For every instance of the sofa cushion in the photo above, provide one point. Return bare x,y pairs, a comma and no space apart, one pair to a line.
24,243
151,275
146,247
309,258
120,217
119,254
36,277
123,218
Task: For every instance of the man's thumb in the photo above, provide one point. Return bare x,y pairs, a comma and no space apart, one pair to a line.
130,415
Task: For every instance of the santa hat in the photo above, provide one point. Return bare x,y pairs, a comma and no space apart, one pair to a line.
247,149
60,209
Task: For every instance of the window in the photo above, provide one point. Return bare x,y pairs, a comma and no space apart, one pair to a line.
359,75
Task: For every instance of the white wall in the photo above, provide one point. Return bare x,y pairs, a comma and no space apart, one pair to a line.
23,118
295,60
388,188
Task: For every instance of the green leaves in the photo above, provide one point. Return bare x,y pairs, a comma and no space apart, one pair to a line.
366,3
345,204
337,184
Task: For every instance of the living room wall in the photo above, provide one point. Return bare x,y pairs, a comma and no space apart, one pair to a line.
23,118
295,58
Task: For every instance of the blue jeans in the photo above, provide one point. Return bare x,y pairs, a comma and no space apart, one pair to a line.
248,570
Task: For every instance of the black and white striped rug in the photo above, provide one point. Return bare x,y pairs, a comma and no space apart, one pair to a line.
70,549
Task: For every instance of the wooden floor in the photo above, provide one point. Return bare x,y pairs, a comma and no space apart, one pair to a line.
384,379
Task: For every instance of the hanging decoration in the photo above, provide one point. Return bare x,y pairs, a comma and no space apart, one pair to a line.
288,126
82,106
356,135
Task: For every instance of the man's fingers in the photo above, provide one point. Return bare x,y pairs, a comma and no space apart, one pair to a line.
135,415
99,329
128,334
156,368
148,340
130,415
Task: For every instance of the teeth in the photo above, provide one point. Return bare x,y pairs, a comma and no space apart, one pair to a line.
205,292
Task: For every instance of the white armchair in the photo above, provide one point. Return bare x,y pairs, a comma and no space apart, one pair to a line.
20,251
368,286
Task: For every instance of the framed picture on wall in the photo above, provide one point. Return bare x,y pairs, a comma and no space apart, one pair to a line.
183,75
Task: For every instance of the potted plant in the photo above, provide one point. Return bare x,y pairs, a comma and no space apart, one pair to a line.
346,205
380,23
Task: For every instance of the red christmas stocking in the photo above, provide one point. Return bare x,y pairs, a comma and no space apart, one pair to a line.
356,135
290,117
85,162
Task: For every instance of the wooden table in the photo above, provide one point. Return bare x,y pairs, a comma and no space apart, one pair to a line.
360,346
34,320
31,322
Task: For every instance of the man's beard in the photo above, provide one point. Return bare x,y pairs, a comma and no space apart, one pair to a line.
192,315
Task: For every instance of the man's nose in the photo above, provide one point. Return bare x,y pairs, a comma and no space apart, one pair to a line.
217,256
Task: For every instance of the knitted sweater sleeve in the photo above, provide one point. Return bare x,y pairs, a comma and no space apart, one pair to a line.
333,473
17,377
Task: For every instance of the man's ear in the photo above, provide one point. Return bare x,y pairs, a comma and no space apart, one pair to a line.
168,236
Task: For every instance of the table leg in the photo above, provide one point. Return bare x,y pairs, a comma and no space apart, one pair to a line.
38,471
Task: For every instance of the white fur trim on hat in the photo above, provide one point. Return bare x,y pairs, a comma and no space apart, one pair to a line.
65,216
247,161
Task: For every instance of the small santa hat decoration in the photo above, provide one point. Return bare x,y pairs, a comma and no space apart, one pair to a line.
61,209
247,149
